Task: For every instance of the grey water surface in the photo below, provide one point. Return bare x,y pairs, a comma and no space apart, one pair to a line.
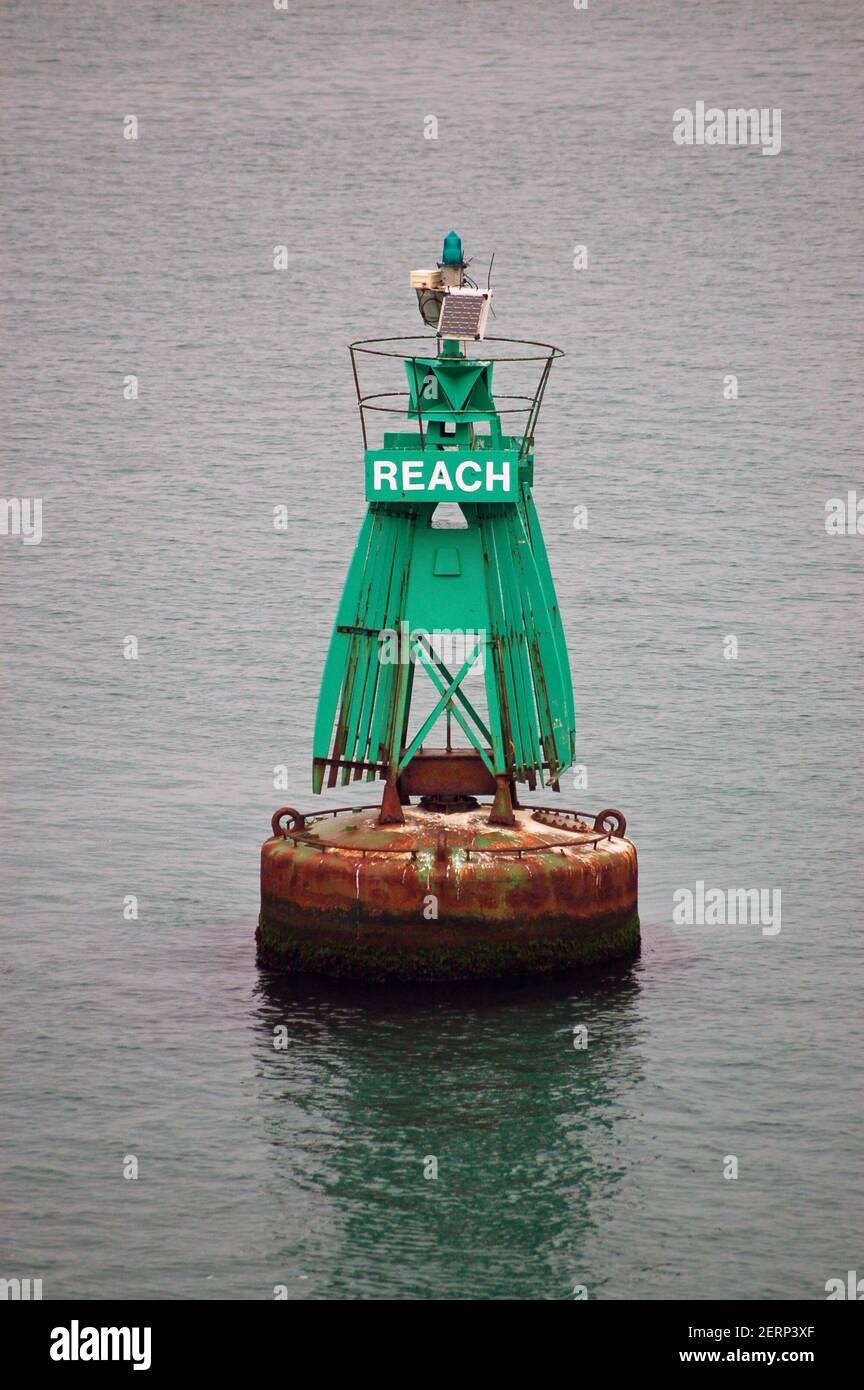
154,777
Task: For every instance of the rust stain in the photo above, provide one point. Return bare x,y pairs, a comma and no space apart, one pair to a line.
524,881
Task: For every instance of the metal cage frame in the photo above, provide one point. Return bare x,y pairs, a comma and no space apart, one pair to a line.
373,347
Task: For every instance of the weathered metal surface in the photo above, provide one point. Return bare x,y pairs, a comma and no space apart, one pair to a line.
439,770
562,820
349,896
297,821
450,804
609,821
502,812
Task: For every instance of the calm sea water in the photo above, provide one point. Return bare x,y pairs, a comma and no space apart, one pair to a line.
154,777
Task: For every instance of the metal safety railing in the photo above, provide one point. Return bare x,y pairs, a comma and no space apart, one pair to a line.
529,403
298,832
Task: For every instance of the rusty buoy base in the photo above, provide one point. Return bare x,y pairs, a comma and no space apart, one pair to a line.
446,896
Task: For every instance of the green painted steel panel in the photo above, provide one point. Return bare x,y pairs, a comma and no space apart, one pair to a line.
409,578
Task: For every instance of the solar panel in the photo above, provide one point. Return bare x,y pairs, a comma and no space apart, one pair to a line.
463,314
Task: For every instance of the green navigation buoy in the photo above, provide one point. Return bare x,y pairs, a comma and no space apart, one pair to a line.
549,899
